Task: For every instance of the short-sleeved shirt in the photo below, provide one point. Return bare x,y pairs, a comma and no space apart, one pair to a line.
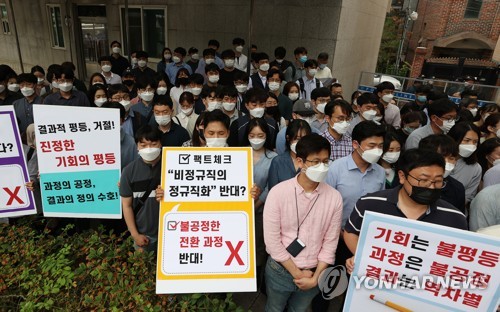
340,148
386,202
77,98
136,178
345,176
175,136
140,74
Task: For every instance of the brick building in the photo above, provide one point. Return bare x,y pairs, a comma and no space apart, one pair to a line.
455,38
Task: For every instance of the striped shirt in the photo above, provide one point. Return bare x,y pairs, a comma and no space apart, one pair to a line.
340,148
136,178
386,202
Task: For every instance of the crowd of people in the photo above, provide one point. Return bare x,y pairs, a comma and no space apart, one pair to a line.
340,156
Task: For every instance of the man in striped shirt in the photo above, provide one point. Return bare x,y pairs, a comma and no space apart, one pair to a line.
421,176
137,189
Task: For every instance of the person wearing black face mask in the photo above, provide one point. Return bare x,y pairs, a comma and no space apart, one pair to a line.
421,174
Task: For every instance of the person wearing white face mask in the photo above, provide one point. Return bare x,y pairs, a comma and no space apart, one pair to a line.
442,116
255,102
241,60
385,92
97,94
140,208
194,58
211,100
301,251
229,96
166,58
7,78
142,70
181,85
118,63
209,57
24,106
229,71
257,135
241,84
319,98
389,159
146,89
453,191
285,104
212,73
186,117
66,96
111,78
358,173
367,109
177,63
259,79
323,71
172,133
307,82
338,117
467,170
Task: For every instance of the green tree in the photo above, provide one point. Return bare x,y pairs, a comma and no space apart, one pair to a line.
389,44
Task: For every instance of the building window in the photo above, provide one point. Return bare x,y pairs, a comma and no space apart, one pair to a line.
56,29
473,8
5,19
146,30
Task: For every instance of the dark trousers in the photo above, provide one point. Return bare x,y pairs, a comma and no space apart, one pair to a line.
341,255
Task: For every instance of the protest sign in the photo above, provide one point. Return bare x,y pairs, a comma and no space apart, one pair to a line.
206,230
79,160
408,265
15,198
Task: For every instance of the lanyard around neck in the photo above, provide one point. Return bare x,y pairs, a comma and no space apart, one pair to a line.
297,207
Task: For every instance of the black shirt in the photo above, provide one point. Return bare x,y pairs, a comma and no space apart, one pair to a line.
175,136
139,74
454,193
119,65
386,202
10,98
227,77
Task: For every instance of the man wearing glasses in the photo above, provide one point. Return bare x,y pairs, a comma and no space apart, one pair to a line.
338,117
442,115
421,173
301,229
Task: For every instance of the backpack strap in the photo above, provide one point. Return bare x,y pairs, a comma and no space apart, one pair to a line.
302,87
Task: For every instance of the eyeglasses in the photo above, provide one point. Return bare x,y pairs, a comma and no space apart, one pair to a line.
450,119
120,98
427,183
317,162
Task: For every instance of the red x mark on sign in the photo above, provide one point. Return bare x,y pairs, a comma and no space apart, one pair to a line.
13,195
234,253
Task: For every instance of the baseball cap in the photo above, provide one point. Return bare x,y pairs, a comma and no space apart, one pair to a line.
303,108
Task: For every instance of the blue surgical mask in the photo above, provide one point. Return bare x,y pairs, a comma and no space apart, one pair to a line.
303,58
422,98
322,66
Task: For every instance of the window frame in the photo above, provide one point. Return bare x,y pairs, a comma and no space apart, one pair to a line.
5,20
53,40
151,58
468,10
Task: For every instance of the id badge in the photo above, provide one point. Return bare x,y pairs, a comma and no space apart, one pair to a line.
295,247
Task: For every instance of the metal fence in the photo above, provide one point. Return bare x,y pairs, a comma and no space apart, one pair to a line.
405,90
